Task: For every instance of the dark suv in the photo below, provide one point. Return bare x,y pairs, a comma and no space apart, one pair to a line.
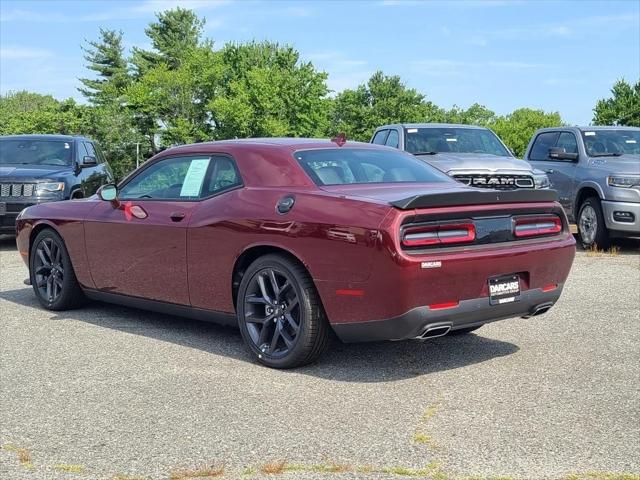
47,168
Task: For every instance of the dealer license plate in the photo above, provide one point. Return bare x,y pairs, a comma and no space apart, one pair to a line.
504,289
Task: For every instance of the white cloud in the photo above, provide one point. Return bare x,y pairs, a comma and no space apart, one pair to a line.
441,67
344,72
15,52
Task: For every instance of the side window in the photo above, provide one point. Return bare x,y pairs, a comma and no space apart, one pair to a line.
224,175
100,155
567,140
82,151
178,178
90,150
541,146
380,137
392,139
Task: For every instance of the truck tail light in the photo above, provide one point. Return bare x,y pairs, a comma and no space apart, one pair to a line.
532,226
421,236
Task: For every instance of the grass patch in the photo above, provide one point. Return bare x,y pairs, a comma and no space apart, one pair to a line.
594,251
207,472
24,455
64,467
123,476
275,467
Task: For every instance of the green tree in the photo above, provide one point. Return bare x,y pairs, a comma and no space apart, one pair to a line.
623,108
517,128
476,114
106,58
173,36
384,99
265,90
26,112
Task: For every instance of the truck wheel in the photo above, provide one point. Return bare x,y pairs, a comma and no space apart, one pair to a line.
591,227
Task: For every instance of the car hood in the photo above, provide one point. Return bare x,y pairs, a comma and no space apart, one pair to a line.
24,172
447,162
623,164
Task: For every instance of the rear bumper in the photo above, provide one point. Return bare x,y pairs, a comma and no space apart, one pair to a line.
468,313
610,211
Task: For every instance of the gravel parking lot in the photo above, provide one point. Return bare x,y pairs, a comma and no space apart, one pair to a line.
112,393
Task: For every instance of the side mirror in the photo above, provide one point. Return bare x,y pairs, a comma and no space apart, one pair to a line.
558,153
89,161
108,193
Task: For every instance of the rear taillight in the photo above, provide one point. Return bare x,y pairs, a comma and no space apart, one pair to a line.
426,235
531,226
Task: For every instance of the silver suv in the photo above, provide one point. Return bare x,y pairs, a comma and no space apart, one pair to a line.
596,171
472,155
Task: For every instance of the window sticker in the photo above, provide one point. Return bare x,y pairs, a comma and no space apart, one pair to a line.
194,178
630,141
452,139
66,145
589,134
412,130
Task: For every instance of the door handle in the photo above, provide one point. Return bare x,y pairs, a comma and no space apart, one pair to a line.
177,216
550,170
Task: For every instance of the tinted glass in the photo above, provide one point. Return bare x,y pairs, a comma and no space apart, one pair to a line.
604,142
392,139
224,175
458,140
380,137
180,178
567,140
542,144
340,166
35,152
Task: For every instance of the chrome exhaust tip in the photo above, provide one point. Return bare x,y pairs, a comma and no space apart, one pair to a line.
435,330
539,310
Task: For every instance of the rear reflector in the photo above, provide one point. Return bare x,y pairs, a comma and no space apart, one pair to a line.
535,226
442,306
350,293
549,287
439,235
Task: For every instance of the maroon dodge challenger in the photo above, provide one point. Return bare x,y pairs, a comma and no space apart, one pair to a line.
289,238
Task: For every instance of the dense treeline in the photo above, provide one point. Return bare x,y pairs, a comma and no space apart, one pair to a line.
183,91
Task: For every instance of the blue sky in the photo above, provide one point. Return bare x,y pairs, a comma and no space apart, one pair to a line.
504,54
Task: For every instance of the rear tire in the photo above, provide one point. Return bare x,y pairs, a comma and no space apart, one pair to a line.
51,273
592,229
280,314
464,331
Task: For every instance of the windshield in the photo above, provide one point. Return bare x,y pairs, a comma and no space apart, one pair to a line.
35,152
604,143
458,140
343,166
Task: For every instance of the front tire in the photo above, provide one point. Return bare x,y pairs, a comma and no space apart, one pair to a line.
591,226
51,273
280,315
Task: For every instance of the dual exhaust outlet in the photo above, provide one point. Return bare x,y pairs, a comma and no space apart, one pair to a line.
442,328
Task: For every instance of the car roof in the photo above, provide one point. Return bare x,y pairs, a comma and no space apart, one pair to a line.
431,125
590,128
284,143
67,138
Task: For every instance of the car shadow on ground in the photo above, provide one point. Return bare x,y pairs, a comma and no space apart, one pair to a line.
366,362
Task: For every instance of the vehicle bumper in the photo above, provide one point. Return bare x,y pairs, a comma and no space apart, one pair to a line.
11,208
613,222
468,313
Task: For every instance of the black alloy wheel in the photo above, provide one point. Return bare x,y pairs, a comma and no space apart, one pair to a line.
51,273
280,315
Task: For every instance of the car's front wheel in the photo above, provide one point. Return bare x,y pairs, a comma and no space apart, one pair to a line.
280,314
51,273
591,227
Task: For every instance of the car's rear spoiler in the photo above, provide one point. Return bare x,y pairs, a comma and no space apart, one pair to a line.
474,197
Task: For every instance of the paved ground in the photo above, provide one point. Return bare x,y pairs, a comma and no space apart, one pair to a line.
107,392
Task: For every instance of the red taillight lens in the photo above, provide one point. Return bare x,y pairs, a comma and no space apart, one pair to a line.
439,235
535,226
